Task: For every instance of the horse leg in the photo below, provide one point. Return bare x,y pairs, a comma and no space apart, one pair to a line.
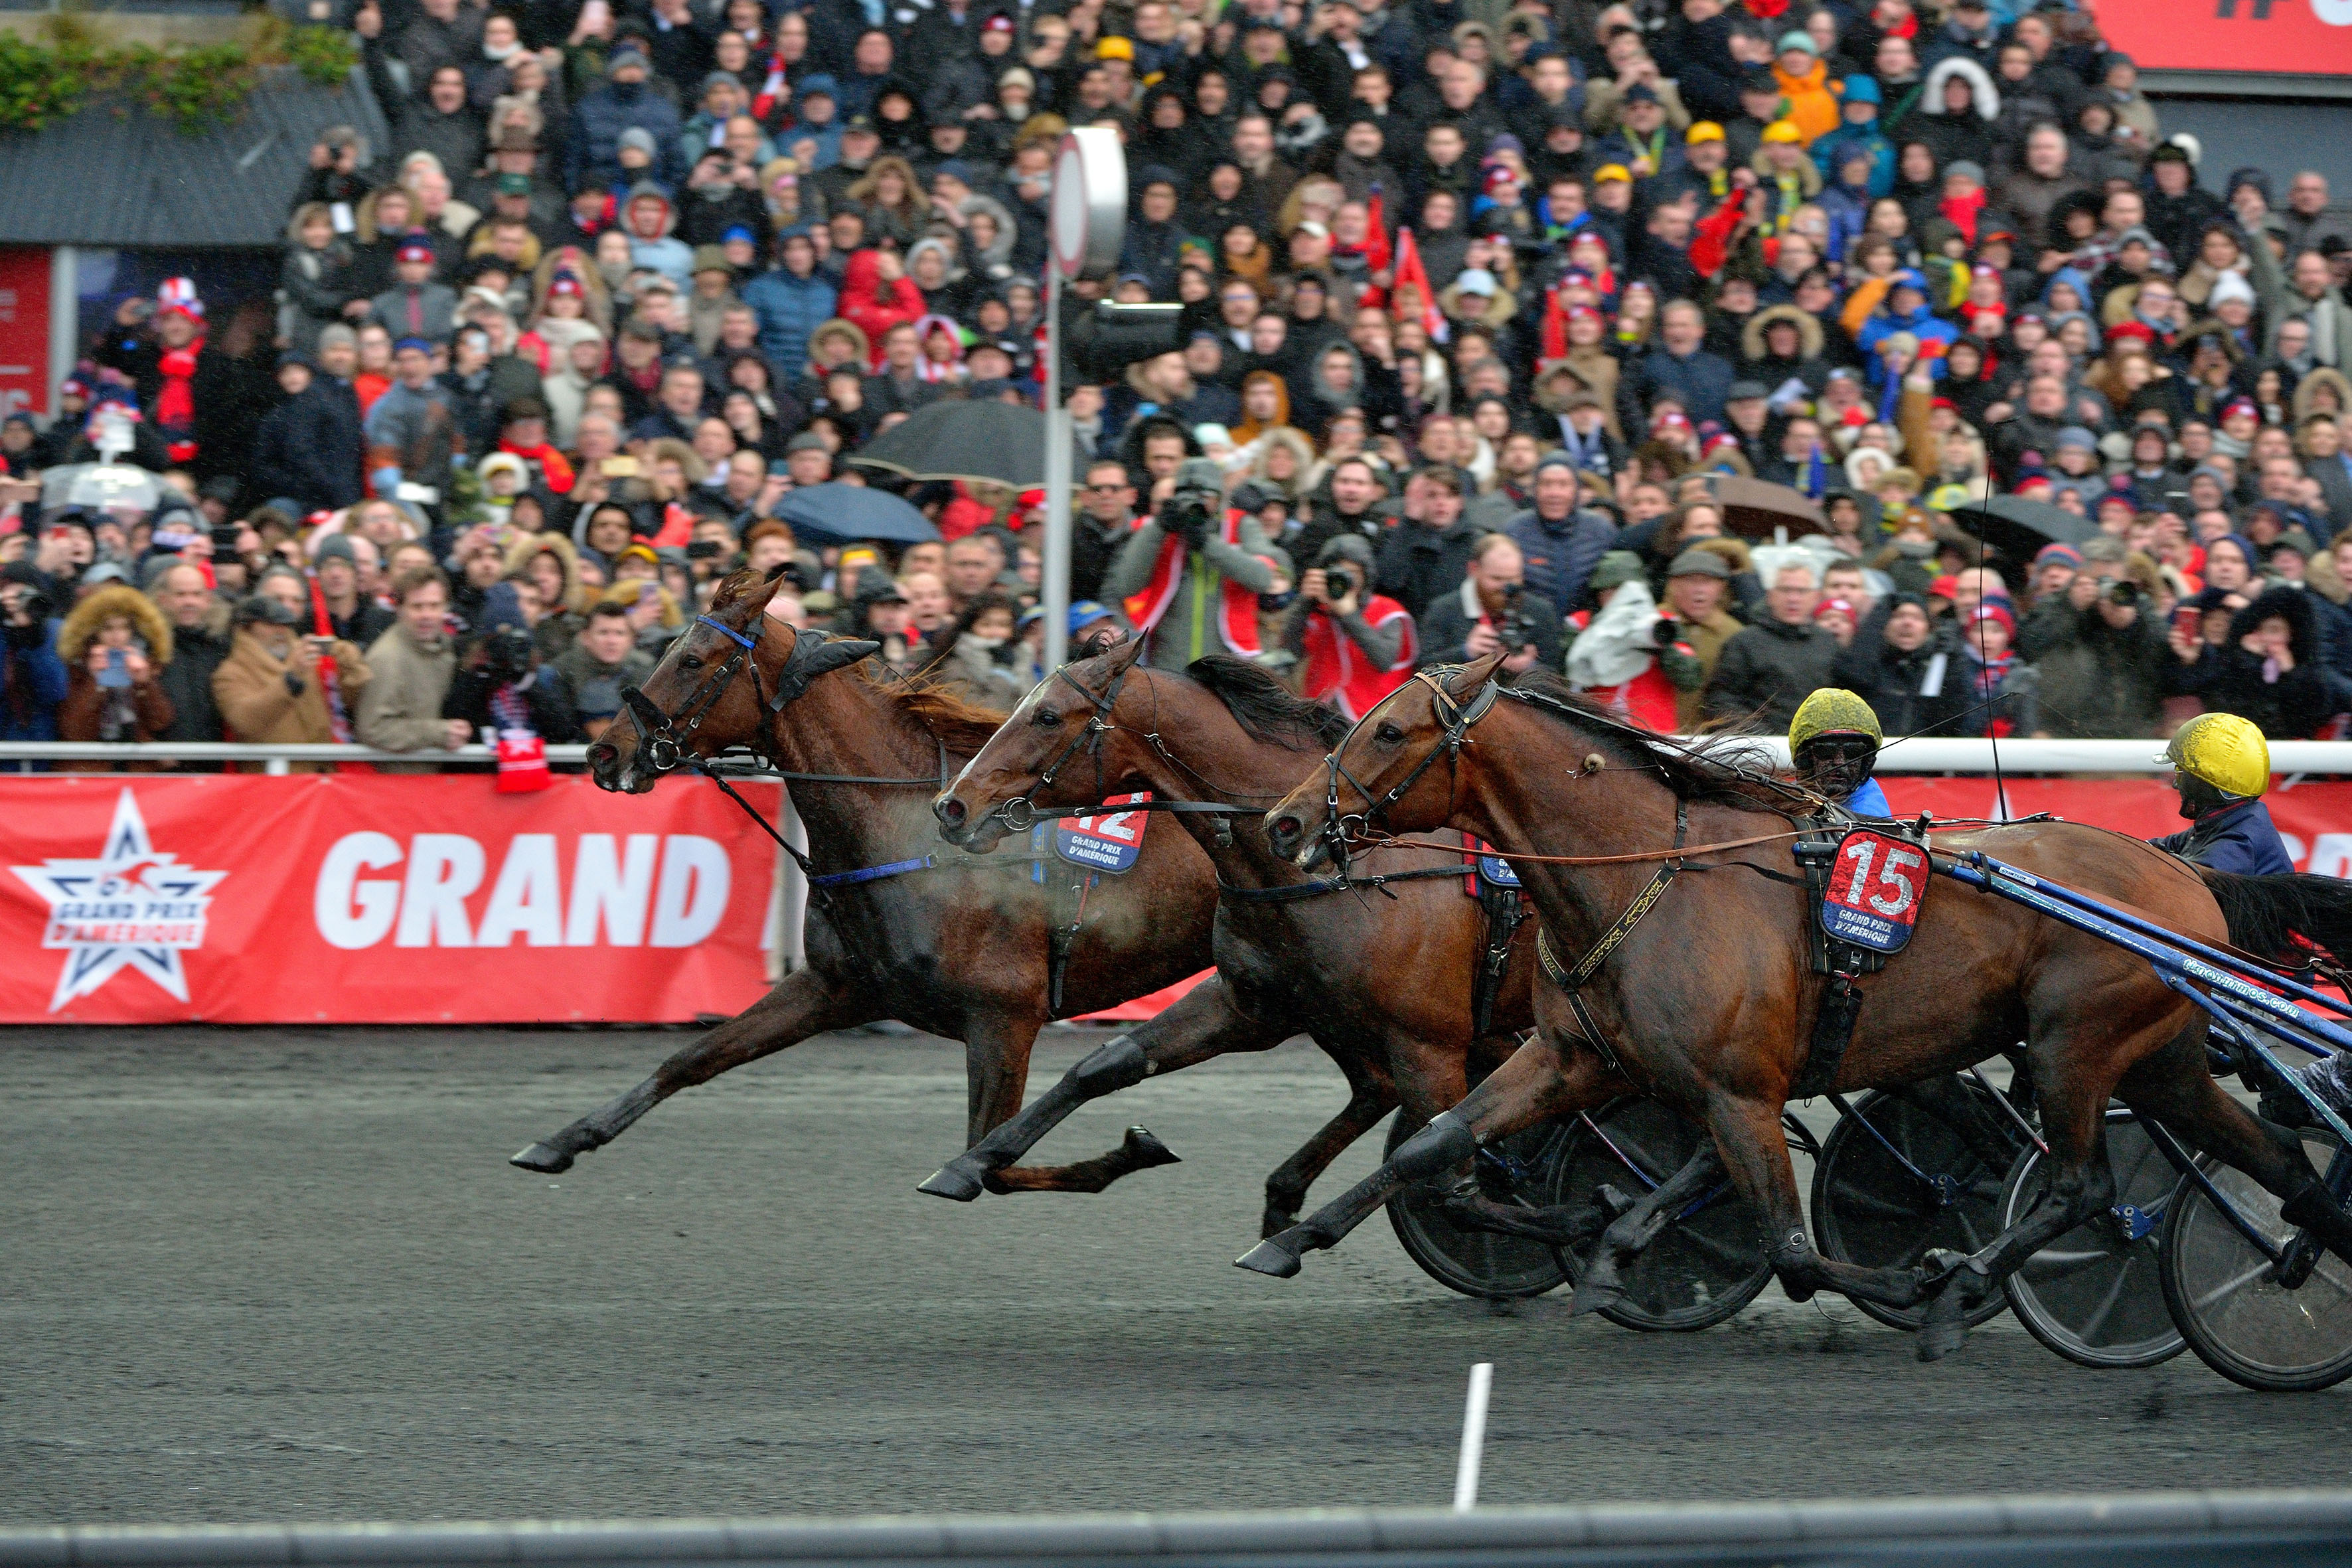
1191,1032
1536,1082
2194,1106
803,1002
1755,1150
1371,1096
1602,1282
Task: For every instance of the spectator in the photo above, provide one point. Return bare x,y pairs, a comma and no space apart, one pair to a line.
1698,581
1357,646
1626,659
32,676
411,664
2266,670
1494,608
790,301
114,644
355,618
1558,542
271,690
624,103
587,677
187,387
1902,663
1099,531
1765,671
2101,657
1423,557
1199,581
199,622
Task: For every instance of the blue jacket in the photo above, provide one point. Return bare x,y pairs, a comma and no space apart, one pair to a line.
2237,838
1923,323
789,308
1838,145
1869,800
1702,380
44,676
1560,555
593,154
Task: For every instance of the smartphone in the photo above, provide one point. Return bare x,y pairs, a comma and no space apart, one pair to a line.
225,537
704,550
2187,619
117,673
622,467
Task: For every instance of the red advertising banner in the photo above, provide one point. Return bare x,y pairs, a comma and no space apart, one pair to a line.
25,329
2315,819
368,899
2305,38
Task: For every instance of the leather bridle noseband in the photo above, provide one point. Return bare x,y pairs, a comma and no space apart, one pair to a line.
663,744
1455,714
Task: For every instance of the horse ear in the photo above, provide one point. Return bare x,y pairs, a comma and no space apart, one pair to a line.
754,599
1463,684
1123,654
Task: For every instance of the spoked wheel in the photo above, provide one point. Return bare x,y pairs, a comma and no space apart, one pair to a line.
2094,1295
1910,1170
2226,1295
1701,1269
1480,1262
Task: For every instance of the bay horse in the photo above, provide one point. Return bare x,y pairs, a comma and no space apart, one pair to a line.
962,948
1709,1002
1379,971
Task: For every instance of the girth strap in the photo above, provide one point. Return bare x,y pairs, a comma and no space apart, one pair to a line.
1572,982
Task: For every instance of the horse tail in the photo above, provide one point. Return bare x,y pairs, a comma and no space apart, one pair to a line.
2277,915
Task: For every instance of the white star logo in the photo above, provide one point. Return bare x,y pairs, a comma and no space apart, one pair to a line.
130,908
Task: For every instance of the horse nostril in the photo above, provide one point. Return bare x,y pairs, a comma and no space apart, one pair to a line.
601,755
950,810
1282,829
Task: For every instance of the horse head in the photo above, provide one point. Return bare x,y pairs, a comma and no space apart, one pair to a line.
1034,759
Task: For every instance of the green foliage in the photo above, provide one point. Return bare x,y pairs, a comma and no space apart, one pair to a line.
196,88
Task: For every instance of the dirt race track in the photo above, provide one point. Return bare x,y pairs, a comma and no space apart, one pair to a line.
285,1275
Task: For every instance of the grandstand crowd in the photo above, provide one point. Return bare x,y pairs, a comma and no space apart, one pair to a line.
1481,302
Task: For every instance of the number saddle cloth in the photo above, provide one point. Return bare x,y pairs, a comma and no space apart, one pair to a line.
1865,880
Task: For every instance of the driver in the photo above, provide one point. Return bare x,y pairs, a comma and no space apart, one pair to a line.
2222,765
1834,741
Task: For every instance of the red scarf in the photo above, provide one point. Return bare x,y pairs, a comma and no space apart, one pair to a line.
1237,607
554,466
1337,668
175,405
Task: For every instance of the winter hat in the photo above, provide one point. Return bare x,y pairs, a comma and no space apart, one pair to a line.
1991,610
1476,280
2229,286
414,250
2056,554
1861,90
1972,172
1797,39
640,138
179,295
1616,569
1702,131
2075,435
1694,563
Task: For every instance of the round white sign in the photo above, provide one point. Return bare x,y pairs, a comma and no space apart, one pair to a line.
1089,201
1070,209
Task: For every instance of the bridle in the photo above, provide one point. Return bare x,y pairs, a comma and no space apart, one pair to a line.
662,744
1457,715
1019,813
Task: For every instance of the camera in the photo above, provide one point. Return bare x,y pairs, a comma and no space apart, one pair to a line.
1190,510
1513,628
506,652
225,537
1340,580
2122,593
704,550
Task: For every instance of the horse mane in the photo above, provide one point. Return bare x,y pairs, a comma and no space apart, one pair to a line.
1692,774
961,726
1265,708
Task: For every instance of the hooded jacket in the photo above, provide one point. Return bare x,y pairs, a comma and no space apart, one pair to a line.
2284,704
1765,671
1956,136
666,254
143,709
873,305
592,151
789,308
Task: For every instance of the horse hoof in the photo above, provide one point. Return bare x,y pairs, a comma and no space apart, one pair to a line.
1145,1150
1946,1326
1269,1259
544,1158
1589,1299
953,1181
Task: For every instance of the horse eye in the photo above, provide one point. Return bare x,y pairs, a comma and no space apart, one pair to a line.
1047,718
1391,734
689,662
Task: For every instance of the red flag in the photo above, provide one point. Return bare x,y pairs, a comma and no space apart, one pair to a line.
1376,234
1411,273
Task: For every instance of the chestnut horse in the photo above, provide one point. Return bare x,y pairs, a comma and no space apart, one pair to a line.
1709,1000
961,949
1380,973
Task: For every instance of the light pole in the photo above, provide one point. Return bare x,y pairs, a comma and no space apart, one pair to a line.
1087,228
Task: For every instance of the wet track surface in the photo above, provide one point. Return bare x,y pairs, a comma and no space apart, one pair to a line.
282,1275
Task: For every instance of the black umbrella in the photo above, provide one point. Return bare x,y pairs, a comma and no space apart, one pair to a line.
985,439
843,514
2019,528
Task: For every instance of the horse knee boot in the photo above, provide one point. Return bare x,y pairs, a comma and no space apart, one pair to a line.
1437,1148
2310,1208
1110,1067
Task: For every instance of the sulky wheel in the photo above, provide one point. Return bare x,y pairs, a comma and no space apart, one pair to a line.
1701,1269
1908,1171
2093,1295
2227,1297
1476,1262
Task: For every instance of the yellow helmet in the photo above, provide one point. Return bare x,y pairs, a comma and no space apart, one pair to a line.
1832,711
2225,751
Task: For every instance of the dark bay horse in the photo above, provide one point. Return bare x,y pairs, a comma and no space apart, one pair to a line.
1379,975
1709,1001
959,950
